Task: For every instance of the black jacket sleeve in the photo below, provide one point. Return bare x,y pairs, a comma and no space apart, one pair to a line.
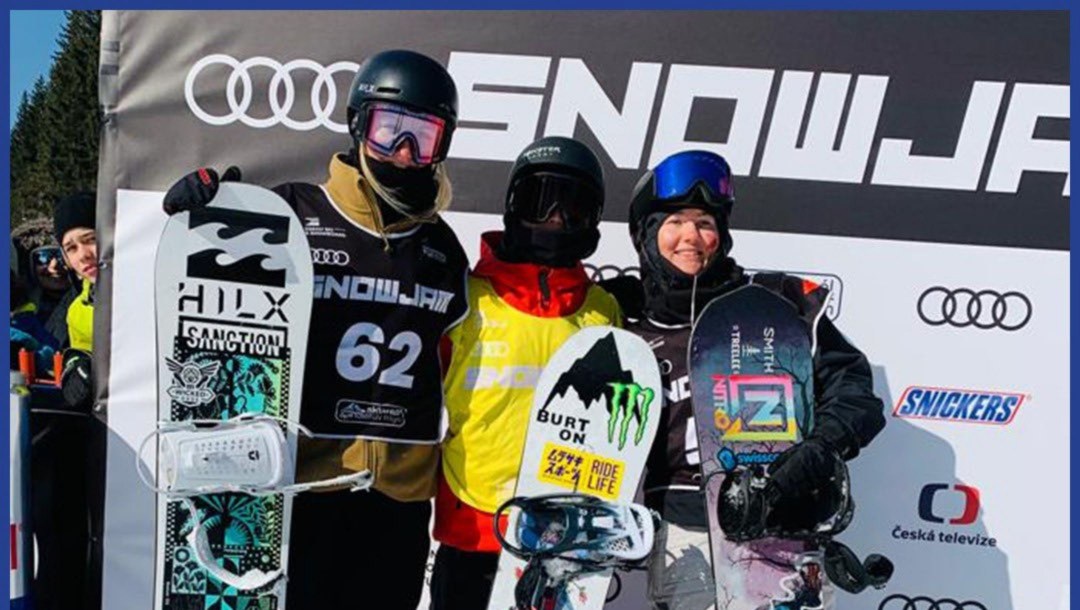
847,415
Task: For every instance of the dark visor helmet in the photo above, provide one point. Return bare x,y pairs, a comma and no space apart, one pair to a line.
693,178
403,95
557,174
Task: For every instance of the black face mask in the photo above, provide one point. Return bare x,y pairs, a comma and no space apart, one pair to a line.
548,247
415,187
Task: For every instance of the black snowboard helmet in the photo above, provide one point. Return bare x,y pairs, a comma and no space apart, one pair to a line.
409,79
689,179
553,175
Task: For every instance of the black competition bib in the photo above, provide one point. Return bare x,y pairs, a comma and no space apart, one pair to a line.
373,364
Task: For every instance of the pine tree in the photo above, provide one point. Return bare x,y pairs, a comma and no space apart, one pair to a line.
54,144
29,184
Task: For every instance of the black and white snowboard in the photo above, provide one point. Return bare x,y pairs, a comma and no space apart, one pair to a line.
594,416
233,305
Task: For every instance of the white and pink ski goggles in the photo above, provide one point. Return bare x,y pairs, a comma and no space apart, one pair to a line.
390,125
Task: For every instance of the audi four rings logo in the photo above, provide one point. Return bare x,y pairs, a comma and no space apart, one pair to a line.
322,256
599,273
963,307
280,92
903,602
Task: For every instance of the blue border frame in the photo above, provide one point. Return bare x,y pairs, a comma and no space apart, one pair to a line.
551,5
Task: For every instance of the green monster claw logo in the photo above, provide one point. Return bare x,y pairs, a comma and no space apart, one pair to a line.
628,401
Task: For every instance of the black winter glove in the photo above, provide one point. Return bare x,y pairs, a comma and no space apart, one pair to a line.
77,379
196,189
803,489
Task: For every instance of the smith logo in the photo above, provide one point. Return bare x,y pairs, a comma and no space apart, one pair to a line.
628,401
966,406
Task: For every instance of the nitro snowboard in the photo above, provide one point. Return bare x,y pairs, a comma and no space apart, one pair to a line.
595,413
233,304
751,376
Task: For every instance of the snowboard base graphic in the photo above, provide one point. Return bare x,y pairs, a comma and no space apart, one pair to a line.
751,376
595,413
233,303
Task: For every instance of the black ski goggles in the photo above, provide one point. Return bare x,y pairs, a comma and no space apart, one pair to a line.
535,197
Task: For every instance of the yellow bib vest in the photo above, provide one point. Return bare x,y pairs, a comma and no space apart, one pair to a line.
498,355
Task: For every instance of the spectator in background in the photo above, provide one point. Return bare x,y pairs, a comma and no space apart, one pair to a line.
27,330
38,262
74,219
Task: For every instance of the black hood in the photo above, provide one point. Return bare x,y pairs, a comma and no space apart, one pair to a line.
668,292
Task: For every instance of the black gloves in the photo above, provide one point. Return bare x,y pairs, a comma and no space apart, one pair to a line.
196,189
807,486
77,379
803,468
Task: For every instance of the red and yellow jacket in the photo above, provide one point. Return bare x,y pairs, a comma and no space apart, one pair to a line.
519,315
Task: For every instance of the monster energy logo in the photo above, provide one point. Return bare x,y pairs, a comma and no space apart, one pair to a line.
628,401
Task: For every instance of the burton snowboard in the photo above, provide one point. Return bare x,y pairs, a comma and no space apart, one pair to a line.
233,303
751,376
594,416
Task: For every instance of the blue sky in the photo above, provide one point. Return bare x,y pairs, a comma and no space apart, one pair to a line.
33,41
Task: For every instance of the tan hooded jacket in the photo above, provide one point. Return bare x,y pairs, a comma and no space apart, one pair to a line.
405,472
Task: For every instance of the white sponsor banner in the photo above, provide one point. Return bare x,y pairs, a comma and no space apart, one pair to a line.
909,477
913,485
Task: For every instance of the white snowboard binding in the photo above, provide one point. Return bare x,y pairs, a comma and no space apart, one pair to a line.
247,454
564,536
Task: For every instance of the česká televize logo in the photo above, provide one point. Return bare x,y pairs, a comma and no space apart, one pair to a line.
949,513
957,405
930,503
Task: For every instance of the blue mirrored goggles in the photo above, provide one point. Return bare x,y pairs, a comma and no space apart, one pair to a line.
43,255
677,176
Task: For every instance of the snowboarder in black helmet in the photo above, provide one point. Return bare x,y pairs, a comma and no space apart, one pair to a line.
553,178
379,210
528,293
679,225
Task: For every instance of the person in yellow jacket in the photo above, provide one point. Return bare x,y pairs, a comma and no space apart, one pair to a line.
372,390
74,220
527,294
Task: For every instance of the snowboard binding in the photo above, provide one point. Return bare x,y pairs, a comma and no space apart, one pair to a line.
565,536
747,511
246,454
847,572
